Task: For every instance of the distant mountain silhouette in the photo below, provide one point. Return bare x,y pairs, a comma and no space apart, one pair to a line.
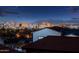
74,20
56,21
49,20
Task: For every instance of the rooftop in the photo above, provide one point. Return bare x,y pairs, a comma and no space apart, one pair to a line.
56,44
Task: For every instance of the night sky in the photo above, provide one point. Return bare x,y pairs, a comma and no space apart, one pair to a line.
38,13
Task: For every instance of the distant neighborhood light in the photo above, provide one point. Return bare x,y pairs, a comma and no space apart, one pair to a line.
17,35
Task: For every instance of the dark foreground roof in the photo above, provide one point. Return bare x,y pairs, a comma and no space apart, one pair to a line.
55,44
